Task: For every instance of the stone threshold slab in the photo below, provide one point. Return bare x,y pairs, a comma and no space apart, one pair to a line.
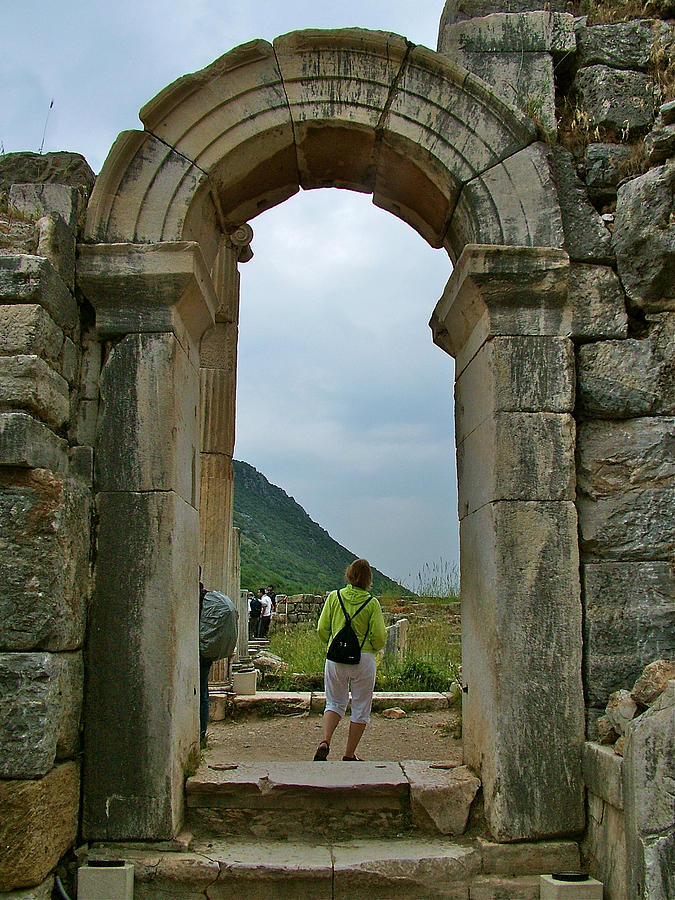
280,785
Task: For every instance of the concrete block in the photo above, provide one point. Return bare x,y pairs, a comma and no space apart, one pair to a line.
97,882
551,888
244,683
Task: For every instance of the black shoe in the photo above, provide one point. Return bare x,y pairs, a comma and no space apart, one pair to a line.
322,752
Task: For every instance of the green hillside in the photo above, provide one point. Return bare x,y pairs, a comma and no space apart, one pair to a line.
281,545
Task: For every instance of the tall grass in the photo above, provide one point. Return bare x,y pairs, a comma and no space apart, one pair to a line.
431,663
438,581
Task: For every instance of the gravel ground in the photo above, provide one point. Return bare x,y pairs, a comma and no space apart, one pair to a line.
419,735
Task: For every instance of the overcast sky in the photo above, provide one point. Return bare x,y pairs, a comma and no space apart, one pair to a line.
343,400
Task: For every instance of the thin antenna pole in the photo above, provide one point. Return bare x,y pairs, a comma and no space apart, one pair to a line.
44,132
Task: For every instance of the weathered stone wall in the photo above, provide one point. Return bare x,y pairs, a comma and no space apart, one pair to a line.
49,366
297,609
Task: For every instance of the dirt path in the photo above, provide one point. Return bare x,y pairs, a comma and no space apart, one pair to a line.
420,735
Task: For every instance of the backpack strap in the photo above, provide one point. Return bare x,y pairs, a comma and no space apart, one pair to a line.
348,618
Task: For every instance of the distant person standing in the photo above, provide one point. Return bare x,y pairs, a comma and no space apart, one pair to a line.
265,614
355,605
273,597
254,610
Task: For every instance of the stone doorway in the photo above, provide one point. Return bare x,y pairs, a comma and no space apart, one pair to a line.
166,230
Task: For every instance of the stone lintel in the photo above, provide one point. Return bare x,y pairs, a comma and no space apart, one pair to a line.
499,290
148,287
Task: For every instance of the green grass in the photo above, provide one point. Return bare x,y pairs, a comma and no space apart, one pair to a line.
431,662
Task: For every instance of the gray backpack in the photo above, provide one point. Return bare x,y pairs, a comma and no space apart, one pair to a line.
218,624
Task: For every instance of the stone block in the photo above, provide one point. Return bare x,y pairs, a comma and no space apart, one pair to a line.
157,447
37,200
38,825
56,242
660,143
40,703
521,594
68,361
621,709
524,80
622,102
460,10
32,279
61,167
632,525
500,291
90,368
604,844
514,374
85,418
26,442
537,31
634,454
654,680
44,546
586,236
597,302
28,382
528,858
27,329
501,887
39,892
644,238
603,169
630,378
401,869
629,621
517,456
648,797
624,45
440,799
603,773
141,697
490,211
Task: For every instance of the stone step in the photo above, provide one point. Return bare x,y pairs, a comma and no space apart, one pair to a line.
411,868
278,800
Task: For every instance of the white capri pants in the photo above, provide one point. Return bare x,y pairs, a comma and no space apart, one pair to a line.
337,678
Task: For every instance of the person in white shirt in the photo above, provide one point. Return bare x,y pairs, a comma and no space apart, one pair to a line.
265,614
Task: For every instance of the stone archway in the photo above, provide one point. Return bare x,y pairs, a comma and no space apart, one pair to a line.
435,146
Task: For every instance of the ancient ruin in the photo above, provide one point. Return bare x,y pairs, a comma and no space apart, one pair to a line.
536,149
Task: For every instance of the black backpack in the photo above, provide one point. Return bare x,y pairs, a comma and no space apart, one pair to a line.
345,647
255,608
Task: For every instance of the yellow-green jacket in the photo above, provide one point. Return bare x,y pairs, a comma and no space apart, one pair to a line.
369,621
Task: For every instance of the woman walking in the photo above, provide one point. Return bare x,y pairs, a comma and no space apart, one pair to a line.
353,602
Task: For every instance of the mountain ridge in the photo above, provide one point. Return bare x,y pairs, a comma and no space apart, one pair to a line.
282,545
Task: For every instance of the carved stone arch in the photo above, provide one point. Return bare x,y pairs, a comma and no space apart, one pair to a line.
435,146
352,108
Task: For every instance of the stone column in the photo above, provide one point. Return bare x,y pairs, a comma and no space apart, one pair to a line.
505,319
218,372
153,303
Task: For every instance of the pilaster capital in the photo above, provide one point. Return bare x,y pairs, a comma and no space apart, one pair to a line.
241,238
497,290
139,288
